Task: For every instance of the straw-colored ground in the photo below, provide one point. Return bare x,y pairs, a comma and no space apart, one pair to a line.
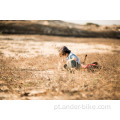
29,68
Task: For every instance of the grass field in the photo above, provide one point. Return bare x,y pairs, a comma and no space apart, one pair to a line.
29,68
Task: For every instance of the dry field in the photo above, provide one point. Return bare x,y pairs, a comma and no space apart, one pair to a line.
29,68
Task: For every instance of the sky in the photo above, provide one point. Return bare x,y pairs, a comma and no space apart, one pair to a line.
100,22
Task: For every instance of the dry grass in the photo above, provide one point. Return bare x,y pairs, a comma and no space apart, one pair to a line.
25,73
26,79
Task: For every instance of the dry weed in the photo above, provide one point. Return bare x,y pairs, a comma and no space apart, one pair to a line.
33,78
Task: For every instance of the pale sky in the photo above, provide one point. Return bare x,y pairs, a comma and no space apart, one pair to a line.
100,22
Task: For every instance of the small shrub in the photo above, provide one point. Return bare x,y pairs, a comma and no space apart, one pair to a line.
89,24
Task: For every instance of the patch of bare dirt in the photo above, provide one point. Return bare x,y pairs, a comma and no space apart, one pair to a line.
18,47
